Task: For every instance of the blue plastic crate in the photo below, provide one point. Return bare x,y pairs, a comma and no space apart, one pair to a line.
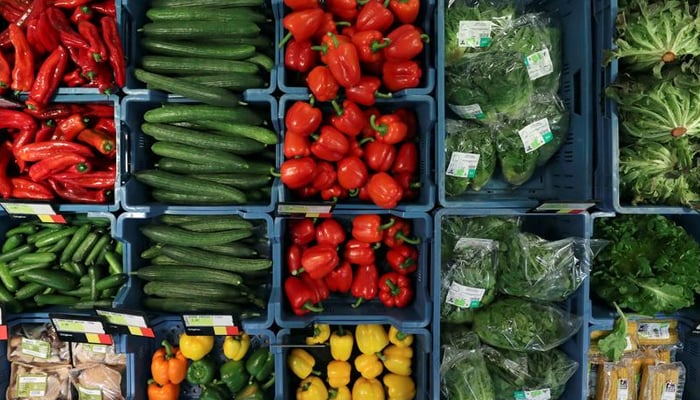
607,174
423,362
136,195
128,231
549,226
141,349
289,83
568,175
132,16
424,107
338,309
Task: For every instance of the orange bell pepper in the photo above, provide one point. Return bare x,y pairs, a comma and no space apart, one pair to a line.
169,391
168,365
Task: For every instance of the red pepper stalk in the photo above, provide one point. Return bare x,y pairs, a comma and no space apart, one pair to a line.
352,173
398,234
403,259
300,296
302,25
395,290
98,140
364,284
318,261
340,279
297,173
110,35
330,232
51,165
48,79
368,228
303,118
23,72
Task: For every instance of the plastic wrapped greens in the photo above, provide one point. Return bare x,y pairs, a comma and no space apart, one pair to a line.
517,164
513,372
471,156
469,279
463,372
523,325
493,228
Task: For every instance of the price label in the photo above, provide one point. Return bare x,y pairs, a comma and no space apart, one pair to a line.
32,385
305,210
463,165
125,322
222,325
474,34
35,348
472,111
80,329
85,393
563,208
464,296
539,64
3,327
43,211
541,394
536,135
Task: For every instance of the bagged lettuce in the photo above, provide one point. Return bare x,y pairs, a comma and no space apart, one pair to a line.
463,371
470,156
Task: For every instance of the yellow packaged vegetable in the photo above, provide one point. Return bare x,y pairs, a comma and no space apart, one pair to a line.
662,382
657,332
616,381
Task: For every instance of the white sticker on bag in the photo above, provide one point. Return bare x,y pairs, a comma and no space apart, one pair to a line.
35,348
32,385
536,135
670,390
539,64
463,165
474,34
623,389
472,111
466,243
654,330
464,296
540,394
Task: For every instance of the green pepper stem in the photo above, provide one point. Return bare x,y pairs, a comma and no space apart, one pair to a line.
379,128
366,140
338,109
395,290
334,39
313,308
401,236
425,37
358,302
401,336
275,173
322,48
388,225
380,355
168,349
269,383
386,3
343,23
407,263
353,192
312,100
285,39
376,46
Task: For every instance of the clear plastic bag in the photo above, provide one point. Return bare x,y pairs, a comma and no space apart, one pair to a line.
616,381
37,344
463,372
522,325
493,228
45,382
662,382
98,381
470,154
85,353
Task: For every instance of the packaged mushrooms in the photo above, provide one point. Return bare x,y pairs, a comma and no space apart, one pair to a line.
85,353
44,382
37,344
98,381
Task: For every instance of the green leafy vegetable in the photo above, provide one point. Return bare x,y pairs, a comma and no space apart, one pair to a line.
614,344
492,228
463,371
467,137
517,166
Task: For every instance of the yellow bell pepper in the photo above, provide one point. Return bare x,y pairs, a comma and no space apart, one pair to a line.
321,334
301,363
367,389
195,347
342,343
236,347
371,339
393,350
369,365
399,387
338,373
399,338
312,388
341,393
397,365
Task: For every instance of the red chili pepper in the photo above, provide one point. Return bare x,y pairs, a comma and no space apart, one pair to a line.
302,25
399,75
302,231
51,165
410,119
74,78
406,159
5,182
364,283
331,145
374,16
45,133
5,74
300,296
48,79
88,180
384,190
349,119
81,58
13,119
406,43
359,253
334,193
303,118
70,127
54,111
330,232
345,10
69,3
298,172
318,286
395,290
98,140
69,37
344,63
77,194
340,279
380,156
103,79
402,258
106,125
318,261
40,151
352,173
94,110
48,35
368,228
324,176
33,37
322,84
82,13
369,45
300,56
25,189
297,5
405,11
389,128
294,252
296,145
113,42
106,7
23,72
398,233
409,186
20,139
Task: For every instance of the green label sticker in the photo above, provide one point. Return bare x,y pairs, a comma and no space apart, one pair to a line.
36,348
96,348
85,393
474,34
539,64
463,165
540,394
464,296
31,385
28,208
78,326
536,135
208,320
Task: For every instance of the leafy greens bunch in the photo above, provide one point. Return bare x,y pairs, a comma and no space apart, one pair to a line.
463,371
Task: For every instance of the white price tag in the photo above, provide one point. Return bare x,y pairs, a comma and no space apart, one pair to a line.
623,389
472,111
464,296
474,34
539,64
536,135
32,385
669,392
463,165
540,394
654,330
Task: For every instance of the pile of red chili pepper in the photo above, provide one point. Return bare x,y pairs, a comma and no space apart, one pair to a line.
322,258
52,43
66,151
377,45
363,154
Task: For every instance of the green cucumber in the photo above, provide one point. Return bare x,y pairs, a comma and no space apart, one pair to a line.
89,304
263,61
83,249
232,249
232,81
186,290
179,306
205,14
35,258
78,237
114,264
240,181
42,300
20,270
259,133
173,112
260,42
175,134
206,3
55,237
7,279
222,223
186,185
188,274
170,197
112,281
185,167
191,90
173,219
12,242
97,249
195,66
24,229
16,253
58,247
259,167
55,279
206,259
29,290
163,260
199,30
185,153
181,237
217,51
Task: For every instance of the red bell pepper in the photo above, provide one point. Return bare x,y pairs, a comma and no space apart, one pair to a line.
380,156
319,260
410,119
48,79
294,252
389,128
40,151
369,45
330,232
331,145
5,74
366,92
349,119
402,258
106,125
324,176
334,193
303,118
368,228
82,13
345,10
105,7
300,56
398,233
405,11
356,149
70,127
364,283
306,192
300,296
406,159
359,253
328,25
298,5
98,140
23,72
5,182
77,194
302,231
113,42
340,279
406,43
349,31
329,43
408,184
297,173
344,63
49,166
395,290
25,189
374,16
384,190
399,75
318,286
322,84
302,25
296,145
352,173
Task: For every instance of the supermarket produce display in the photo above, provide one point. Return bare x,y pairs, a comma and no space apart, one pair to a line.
349,199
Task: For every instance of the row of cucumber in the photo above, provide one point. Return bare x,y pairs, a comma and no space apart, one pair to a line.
205,263
209,53
209,155
77,265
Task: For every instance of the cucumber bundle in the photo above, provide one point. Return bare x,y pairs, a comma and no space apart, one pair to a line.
205,264
207,51
209,155
76,265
